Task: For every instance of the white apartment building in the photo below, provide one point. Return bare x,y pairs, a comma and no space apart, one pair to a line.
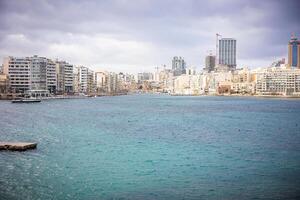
83,79
187,85
30,73
278,80
86,80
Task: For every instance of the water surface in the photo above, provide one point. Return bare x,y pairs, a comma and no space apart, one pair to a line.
152,147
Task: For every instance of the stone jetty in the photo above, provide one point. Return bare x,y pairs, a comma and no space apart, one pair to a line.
17,146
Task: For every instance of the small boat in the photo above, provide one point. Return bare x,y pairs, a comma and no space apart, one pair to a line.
26,101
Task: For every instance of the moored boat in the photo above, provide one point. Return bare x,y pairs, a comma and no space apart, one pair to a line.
26,101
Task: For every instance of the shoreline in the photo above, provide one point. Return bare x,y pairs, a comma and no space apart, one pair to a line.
13,97
238,95
205,95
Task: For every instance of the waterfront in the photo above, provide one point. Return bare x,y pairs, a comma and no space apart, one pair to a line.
152,147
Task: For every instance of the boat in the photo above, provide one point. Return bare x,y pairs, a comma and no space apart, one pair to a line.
26,101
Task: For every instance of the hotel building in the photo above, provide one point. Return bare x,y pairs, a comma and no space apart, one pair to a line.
294,52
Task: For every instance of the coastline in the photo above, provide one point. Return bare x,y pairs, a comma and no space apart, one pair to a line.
202,95
12,97
239,95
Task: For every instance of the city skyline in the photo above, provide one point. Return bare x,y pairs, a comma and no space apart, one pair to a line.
138,36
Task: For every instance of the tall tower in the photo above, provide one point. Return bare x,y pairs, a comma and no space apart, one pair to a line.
178,65
294,52
227,52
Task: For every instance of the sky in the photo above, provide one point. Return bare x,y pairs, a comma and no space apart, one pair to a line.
139,35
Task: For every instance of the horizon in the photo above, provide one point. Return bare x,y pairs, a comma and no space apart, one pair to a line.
138,36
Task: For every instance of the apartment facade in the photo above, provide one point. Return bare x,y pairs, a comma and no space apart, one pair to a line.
86,80
112,83
30,73
65,79
278,81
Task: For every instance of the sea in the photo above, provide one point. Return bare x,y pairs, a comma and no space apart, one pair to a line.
152,147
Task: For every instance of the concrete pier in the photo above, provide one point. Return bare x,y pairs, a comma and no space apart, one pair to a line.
17,146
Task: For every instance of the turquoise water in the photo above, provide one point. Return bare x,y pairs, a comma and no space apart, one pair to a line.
152,147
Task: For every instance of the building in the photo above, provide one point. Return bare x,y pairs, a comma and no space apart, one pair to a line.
190,71
30,73
51,76
112,83
86,80
101,81
242,82
64,73
227,52
165,79
126,82
18,71
178,65
91,84
76,80
83,79
294,52
278,81
210,63
186,84
278,63
144,76
4,84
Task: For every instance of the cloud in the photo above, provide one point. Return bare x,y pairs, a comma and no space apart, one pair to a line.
138,35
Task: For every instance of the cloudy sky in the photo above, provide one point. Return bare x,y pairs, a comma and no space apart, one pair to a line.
138,35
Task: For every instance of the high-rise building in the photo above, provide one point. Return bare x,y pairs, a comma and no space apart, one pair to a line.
64,73
227,52
294,52
30,73
178,65
210,62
